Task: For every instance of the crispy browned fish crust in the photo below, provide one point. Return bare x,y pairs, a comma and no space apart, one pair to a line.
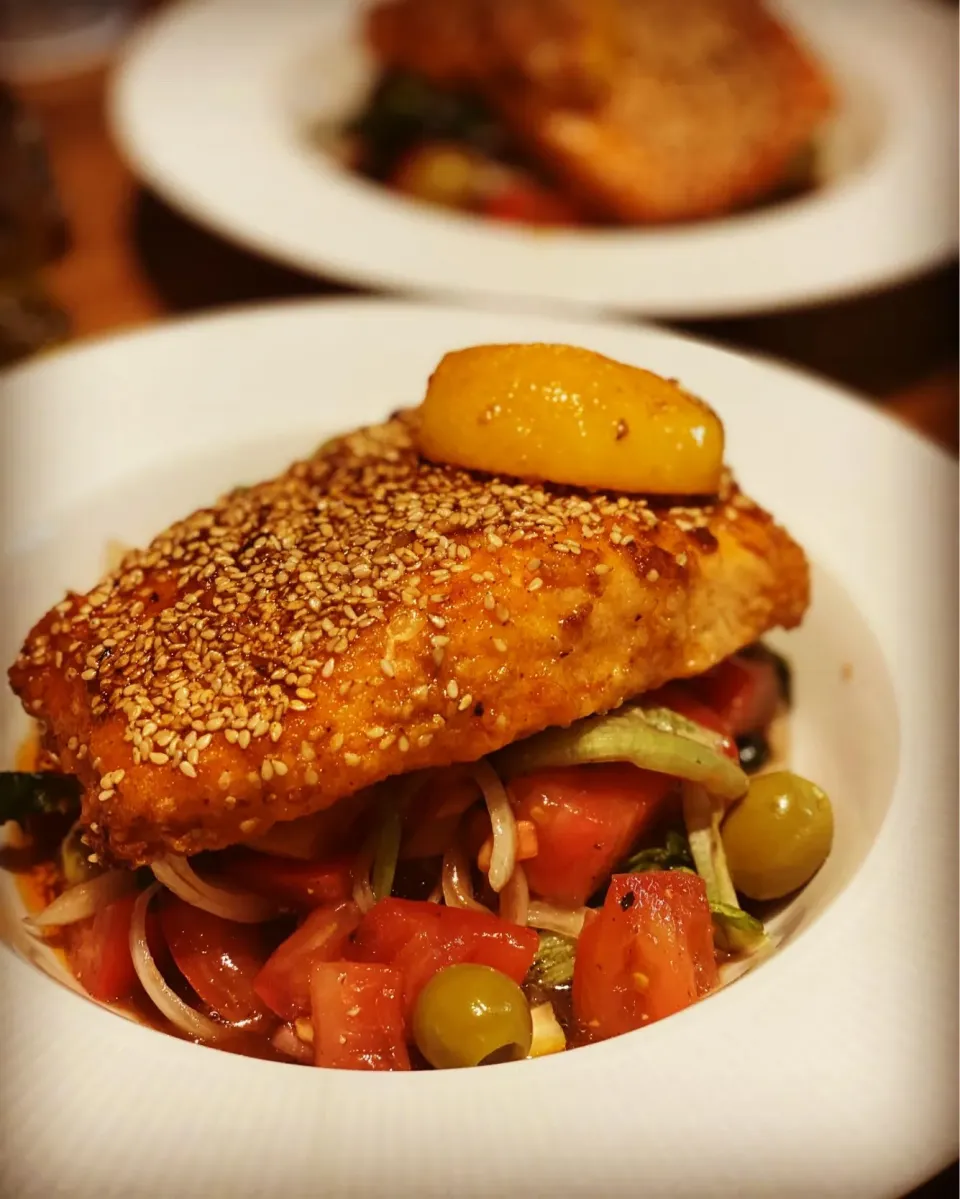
368,613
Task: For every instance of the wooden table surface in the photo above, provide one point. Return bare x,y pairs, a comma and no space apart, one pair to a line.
133,260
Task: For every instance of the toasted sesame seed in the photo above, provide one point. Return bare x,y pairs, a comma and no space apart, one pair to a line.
403,744
276,731
601,568
266,770
279,767
105,794
535,584
310,777
375,733
465,703
387,668
653,575
336,742
500,645
159,759
328,666
452,689
681,559
351,759
307,752
243,738
187,768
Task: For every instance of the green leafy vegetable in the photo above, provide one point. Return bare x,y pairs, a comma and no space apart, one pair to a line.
734,930
387,852
553,965
24,794
651,738
673,855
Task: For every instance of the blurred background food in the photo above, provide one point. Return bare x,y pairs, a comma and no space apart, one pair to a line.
132,258
589,111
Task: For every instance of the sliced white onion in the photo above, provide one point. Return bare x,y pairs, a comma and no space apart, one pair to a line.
456,883
515,898
178,876
568,922
286,1041
504,855
186,1018
363,895
83,900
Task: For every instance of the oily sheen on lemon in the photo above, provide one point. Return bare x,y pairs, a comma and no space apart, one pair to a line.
568,415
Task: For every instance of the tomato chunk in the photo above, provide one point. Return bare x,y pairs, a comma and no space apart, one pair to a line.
744,692
586,819
218,958
431,821
683,698
527,202
420,938
647,954
284,982
98,951
357,1015
301,884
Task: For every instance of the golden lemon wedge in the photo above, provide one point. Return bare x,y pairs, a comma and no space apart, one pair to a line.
568,415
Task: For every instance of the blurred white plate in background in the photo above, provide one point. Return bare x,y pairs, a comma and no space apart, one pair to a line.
214,104
829,1070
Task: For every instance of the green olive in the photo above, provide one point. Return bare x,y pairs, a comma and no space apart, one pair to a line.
778,836
74,858
470,1014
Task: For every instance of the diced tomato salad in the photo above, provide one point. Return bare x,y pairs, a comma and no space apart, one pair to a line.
341,975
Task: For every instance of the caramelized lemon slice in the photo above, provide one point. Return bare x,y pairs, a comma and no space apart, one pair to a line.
568,415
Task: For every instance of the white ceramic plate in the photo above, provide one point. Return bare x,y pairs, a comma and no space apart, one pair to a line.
829,1070
213,104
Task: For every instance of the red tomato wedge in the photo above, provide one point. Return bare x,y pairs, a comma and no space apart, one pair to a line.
290,881
683,699
420,938
587,818
744,692
98,951
647,954
431,820
525,201
218,958
358,1016
284,982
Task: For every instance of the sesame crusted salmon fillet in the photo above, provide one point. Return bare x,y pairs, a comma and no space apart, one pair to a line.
368,613
644,111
